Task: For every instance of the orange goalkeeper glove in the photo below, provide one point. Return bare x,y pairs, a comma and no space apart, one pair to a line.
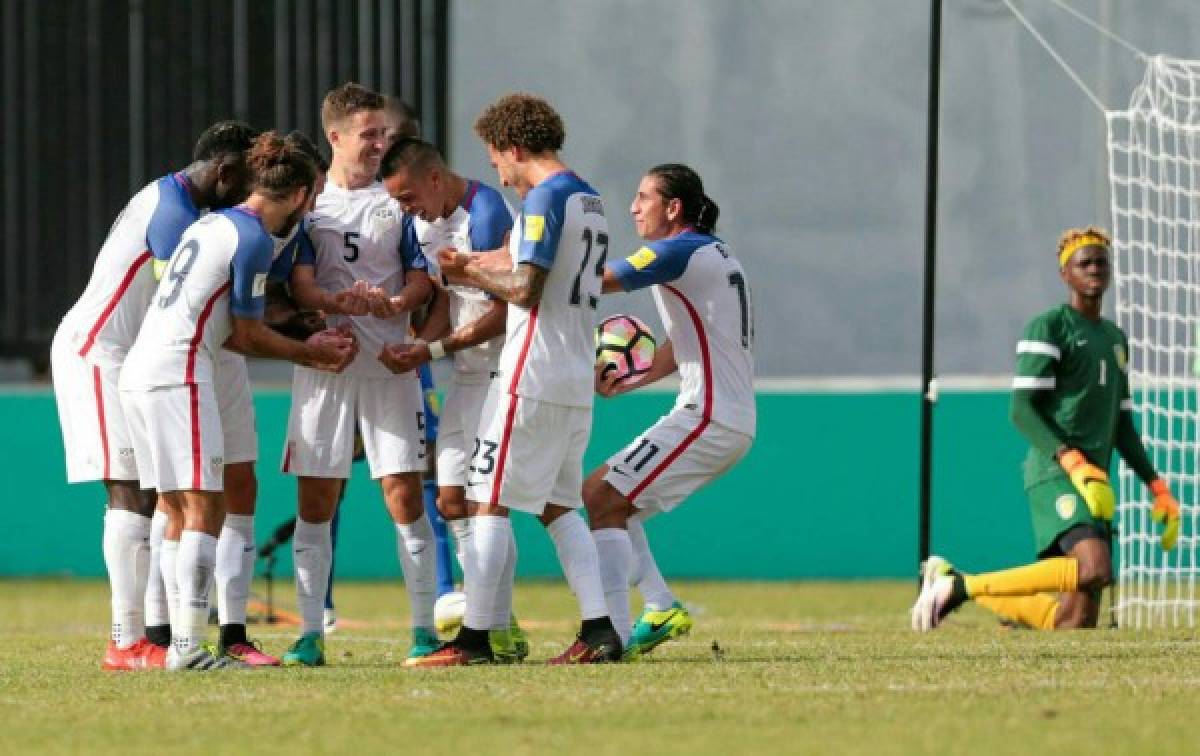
1165,512
1091,482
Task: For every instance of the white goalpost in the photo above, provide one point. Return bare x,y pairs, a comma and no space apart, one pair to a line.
1154,177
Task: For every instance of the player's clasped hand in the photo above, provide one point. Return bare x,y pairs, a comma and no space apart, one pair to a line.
335,349
453,264
608,383
1091,482
401,358
351,302
1165,512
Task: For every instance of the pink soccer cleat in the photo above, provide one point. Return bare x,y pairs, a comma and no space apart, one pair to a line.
251,654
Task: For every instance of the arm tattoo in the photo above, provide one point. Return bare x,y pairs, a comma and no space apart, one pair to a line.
522,287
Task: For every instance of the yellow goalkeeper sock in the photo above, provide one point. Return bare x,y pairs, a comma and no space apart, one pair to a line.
1058,575
1036,611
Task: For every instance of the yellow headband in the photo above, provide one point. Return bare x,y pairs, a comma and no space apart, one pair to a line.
1087,240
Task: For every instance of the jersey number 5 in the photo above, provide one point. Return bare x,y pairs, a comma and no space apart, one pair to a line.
181,265
349,238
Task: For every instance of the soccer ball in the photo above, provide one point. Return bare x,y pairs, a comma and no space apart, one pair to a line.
624,344
448,611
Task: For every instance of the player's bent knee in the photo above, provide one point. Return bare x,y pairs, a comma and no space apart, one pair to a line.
127,495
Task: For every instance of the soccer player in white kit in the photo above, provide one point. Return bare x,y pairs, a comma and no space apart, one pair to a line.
362,239
529,448
465,323
90,346
211,296
704,303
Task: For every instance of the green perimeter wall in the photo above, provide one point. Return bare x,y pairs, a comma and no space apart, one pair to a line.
829,490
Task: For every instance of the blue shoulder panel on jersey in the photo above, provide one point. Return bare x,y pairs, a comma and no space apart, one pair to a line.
250,265
490,218
542,217
659,261
174,212
299,251
410,249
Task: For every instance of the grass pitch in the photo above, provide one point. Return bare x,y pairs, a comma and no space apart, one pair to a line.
783,668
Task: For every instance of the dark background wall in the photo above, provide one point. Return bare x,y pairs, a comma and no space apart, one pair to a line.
101,96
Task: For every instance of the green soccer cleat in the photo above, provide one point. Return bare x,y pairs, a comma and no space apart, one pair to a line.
519,639
504,648
307,651
656,627
425,642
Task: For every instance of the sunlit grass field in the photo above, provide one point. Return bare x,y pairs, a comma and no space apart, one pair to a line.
770,667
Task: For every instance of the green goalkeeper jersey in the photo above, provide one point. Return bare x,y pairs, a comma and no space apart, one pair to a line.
1075,369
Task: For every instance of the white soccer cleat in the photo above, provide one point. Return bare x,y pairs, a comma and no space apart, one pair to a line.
937,592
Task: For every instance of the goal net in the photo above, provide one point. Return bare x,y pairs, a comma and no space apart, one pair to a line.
1154,176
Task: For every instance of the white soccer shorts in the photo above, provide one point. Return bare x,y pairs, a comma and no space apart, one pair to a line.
177,438
94,429
457,426
528,454
235,405
673,459
389,413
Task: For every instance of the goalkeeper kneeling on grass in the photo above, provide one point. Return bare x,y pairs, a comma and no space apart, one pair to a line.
1071,401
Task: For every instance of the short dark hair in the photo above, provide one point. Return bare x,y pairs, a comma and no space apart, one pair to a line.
346,100
521,120
223,138
278,166
410,154
677,181
300,141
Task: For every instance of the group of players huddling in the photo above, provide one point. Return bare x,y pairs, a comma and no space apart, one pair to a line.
259,248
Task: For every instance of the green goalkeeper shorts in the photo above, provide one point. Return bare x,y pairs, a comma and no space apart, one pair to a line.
1056,507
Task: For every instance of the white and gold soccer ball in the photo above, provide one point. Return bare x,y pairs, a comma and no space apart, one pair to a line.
448,612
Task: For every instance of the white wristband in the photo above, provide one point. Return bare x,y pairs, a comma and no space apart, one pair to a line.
436,350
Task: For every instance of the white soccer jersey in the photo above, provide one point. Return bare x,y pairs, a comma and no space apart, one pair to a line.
550,348
704,302
478,224
218,272
361,234
103,323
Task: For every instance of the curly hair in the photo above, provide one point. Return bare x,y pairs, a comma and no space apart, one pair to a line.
346,100
521,120
1073,237
279,166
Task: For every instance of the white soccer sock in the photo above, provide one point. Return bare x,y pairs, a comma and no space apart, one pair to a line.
645,574
418,561
126,548
577,554
492,537
168,560
312,552
193,571
464,549
502,612
616,556
158,612
235,568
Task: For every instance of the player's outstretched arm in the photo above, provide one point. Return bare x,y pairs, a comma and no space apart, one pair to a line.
309,295
436,323
522,287
400,358
329,350
663,365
